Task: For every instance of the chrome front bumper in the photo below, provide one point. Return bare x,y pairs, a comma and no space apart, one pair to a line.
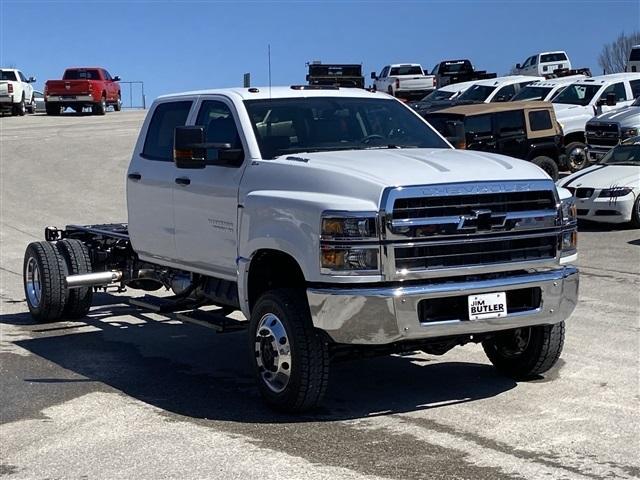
376,316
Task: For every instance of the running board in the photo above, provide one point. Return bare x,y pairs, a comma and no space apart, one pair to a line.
165,304
212,319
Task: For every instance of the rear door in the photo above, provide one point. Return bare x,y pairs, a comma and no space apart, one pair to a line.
206,201
510,133
150,181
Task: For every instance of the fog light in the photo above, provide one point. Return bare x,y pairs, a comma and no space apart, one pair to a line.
343,259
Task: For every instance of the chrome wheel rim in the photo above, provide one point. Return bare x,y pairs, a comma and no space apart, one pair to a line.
515,343
577,157
273,353
33,282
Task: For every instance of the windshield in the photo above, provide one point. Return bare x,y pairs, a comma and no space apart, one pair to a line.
319,124
577,94
408,70
623,155
532,93
438,95
10,76
476,93
81,75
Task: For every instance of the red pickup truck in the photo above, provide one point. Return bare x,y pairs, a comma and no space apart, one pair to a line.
83,87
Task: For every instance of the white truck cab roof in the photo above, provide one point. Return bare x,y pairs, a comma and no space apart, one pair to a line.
294,91
612,77
507,80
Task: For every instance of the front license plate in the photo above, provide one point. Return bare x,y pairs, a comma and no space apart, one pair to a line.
487,305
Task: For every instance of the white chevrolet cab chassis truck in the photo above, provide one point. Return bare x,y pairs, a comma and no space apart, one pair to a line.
340,224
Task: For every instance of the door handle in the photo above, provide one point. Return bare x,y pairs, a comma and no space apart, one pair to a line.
134,176
183,181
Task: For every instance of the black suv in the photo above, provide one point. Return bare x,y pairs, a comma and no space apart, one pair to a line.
525,130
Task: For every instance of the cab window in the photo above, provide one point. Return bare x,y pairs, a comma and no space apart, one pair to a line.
504,94
166,117
509,123
540,120
619,91
219,126
635,87
478,126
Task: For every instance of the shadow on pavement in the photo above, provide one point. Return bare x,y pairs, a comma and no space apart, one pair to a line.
194,372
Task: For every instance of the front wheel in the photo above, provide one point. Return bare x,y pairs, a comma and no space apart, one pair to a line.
290,357
526,352
32,105
576,156
118,105
548,165
635,215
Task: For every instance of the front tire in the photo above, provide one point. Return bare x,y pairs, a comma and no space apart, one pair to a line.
44,274
635,215
524,353
32,105
290,357
576,156
78,261
548,165
118,105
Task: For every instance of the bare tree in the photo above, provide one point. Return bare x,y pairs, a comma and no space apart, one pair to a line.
614,55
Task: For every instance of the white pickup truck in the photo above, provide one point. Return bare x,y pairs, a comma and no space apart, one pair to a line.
16,92
404,80
339,223
581,101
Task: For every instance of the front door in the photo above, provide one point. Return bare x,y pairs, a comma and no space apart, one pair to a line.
150,182
206,200
511,136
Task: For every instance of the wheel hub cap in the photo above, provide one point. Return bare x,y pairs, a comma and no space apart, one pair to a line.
273,353
34,285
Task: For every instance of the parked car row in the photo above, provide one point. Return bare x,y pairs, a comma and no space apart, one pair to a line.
79,88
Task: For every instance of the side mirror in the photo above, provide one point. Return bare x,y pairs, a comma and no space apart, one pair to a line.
611,99
116,78
374,76
518,66
31,80
187,147
191,151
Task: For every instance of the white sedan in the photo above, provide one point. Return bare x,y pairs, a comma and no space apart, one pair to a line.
609,191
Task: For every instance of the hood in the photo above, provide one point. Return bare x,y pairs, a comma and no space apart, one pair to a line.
626,116
604,176
564,110
425,107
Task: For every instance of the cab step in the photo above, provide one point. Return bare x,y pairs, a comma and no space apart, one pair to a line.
165,304
214,319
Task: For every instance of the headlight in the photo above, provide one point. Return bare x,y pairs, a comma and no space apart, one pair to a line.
628,132
569,211
349,243
344,259
615,192
569,240
341,226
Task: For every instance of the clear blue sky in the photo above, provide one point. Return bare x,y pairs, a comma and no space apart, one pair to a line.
176,46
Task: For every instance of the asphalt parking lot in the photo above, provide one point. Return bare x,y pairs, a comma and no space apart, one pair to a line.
127,394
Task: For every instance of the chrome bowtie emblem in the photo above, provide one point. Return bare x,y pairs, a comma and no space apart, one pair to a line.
482,220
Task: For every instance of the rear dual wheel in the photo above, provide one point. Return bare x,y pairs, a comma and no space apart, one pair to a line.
45,268
21,108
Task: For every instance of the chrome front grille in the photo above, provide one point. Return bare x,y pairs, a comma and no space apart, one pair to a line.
479,227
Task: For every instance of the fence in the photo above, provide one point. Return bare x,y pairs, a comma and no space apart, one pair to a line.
133,94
